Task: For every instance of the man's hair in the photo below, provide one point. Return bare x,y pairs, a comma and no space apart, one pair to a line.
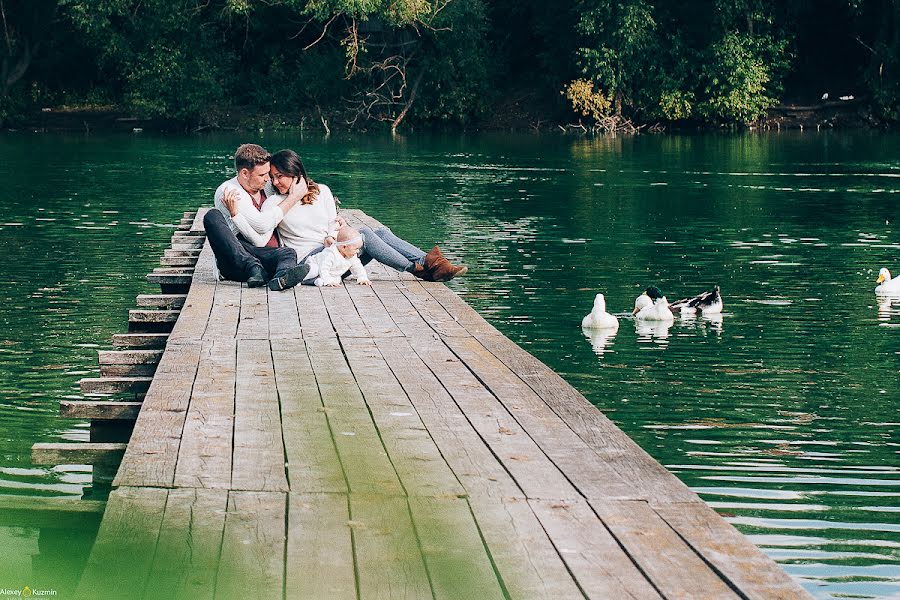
248,156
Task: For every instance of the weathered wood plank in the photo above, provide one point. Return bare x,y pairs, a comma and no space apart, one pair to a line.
253,546
253,322
312,460
56,513
730,553
389,562
225,313
311,309
344,318
525,559
471,459
99,410
127,370
670,564
139,340
457,561
205,453
593,556
571,454
161,301
413,453
649,479
520,455
129,357
284,317
198,302
374,315
192,252
126,542
76,453
190,539
177,261
258,447
153,449
113,385
319,547
431,310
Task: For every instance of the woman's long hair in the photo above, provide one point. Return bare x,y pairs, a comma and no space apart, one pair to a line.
289,163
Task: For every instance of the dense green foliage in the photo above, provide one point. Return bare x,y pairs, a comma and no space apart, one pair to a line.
455,62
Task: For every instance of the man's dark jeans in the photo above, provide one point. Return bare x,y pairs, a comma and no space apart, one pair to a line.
236,256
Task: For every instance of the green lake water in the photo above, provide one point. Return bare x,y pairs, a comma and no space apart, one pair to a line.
782,414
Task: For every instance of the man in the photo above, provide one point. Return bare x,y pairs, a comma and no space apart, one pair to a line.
239,212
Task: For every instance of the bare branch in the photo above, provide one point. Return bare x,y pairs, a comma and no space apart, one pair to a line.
324,31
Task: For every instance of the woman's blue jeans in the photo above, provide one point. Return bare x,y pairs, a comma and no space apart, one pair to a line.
382,245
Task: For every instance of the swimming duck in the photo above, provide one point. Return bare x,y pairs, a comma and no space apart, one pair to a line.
708,303
599,318
887,285
652,306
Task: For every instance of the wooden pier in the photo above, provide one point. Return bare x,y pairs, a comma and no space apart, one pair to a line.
377,442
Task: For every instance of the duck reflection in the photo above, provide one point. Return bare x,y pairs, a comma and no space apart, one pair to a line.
888,306
652,331
601,339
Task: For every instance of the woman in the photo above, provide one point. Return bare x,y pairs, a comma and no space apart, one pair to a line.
312,224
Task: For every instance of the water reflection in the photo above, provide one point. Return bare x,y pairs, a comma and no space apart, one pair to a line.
601,339
656,332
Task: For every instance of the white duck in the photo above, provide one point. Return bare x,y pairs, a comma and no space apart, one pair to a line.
599,318
708,303
652,306
887,285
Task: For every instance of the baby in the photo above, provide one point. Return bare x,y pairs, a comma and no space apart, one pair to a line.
327,266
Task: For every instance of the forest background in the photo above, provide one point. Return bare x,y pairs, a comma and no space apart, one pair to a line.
453,64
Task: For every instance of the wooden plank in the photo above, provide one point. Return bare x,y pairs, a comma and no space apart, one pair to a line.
312,460
113,385
56,513
464,314
258,447
129,357
253,322
730,553
472,461
431,310
190,539
603,570
283,313
205,453
253,546
177,261
525,559
126,542
319,547
649,479
76,453
532,470
198,302
99,410
670,564
389,562
344,318
413,453
311,309
225,313
153,449
363,456
161,301
402,311
127,370
376,318
192,252
457,561
140,340
571,454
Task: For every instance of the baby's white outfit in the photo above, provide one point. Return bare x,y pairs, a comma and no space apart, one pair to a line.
327,266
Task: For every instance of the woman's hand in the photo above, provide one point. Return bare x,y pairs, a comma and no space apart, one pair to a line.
341,222
230,200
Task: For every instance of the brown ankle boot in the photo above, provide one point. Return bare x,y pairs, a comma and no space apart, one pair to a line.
440,268
421,272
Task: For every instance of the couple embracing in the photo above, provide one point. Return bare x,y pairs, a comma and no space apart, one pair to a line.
274,225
